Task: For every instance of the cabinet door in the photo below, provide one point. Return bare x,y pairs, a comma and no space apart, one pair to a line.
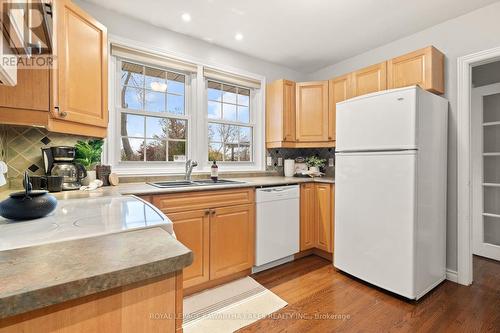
289,111
232,240
370,79
307,216
324,217
312,111
31,93
280,111
81,74
192,230
423,67
339,90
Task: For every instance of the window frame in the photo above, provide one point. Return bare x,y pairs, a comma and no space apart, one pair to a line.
196,114
251,120
164,115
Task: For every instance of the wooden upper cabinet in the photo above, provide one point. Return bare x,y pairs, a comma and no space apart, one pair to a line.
324,217
312,112
307,216
232,240
280,113
71,96
369,79
192,230
424,67
81,74
339,90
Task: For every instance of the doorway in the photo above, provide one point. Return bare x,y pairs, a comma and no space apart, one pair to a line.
485,135
478,188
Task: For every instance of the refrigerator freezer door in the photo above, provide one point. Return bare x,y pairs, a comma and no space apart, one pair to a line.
374,223
380,121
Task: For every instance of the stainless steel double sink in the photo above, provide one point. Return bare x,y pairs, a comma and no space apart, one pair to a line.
191,183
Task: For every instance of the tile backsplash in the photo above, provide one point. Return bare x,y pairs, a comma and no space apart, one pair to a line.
292,153
20,148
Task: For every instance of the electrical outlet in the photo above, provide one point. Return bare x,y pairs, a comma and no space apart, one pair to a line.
330,162
280,161
269,161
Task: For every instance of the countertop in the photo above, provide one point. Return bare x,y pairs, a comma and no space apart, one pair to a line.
142,188
39,276
88,246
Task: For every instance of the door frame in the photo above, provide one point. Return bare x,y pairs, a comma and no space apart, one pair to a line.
464,161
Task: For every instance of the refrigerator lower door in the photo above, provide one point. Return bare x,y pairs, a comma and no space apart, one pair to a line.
375,218
381,121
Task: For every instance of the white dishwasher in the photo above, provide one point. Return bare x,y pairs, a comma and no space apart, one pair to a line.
278,225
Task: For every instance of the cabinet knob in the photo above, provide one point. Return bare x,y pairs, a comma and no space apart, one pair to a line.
212,211
207,212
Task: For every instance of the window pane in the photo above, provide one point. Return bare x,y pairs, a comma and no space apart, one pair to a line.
132,75
177,129
156,150
155,79
177,151
175,104
244,153
156,127
230,152
214,110
243,114
215,151
229,94
229,112
214,132
132,125
132,98
155,101
245,134
176,83
214,91
132,149
243,96
230,134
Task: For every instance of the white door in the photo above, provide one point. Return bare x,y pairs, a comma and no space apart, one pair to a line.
374,218
380,121
486,171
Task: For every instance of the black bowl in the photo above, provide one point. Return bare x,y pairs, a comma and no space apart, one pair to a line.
19,206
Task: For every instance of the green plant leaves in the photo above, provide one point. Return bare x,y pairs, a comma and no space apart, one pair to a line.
88,153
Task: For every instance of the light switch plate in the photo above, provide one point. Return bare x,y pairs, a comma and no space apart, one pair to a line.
280,161
269,161
330,162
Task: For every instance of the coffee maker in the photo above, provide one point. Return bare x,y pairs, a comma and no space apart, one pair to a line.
60,161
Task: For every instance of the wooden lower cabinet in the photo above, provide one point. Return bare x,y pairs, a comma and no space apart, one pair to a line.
192,230
307,216
149,306
218,226
324,217
316,216
232,239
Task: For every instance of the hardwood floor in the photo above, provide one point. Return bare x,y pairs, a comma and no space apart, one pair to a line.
312,288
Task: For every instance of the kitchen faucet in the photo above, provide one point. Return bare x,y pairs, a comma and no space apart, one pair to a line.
190,164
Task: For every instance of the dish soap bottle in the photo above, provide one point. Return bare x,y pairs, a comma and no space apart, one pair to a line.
214,171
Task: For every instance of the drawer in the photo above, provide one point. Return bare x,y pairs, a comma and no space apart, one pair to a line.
178,202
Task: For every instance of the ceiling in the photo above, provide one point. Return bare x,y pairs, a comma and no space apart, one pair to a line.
304,35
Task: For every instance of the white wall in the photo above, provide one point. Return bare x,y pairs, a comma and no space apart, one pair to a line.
185,46
473,32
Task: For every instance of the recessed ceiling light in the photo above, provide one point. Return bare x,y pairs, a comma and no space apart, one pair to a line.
238,36
186,17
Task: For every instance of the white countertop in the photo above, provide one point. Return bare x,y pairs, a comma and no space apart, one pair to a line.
77,218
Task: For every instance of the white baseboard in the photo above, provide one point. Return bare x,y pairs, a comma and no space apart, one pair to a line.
451,275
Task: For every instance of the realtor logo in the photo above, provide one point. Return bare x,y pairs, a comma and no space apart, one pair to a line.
27,34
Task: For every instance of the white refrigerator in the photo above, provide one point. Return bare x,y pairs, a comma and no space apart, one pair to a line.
390,191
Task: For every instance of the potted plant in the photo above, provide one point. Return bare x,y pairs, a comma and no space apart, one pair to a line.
314,163
88,154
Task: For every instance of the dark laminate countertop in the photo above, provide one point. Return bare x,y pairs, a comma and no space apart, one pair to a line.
39,276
